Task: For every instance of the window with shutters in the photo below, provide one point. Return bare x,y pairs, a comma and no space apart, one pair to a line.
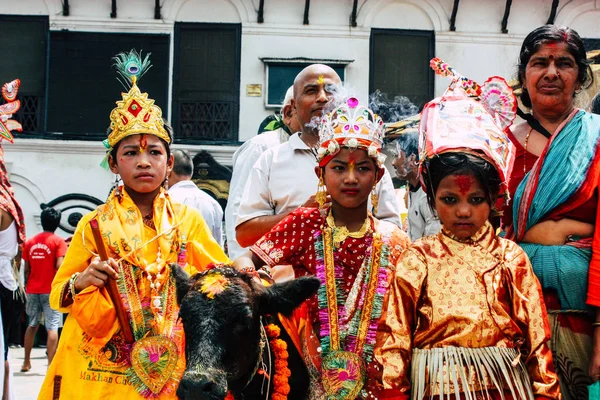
281,72
82,82
25,32
206,84
399,64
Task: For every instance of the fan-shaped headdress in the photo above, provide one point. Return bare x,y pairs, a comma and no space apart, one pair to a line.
8,201
470,118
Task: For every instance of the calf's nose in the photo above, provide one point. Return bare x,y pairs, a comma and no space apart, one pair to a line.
201,387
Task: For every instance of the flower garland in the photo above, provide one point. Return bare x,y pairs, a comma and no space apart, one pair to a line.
349,322
374,274
281,386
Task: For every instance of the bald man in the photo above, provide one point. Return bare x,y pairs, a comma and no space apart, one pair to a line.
283,178
243,160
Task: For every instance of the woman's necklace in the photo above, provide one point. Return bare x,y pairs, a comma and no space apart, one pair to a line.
525,155
341,233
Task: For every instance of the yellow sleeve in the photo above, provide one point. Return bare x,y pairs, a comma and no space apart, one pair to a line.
531,316
92,307
396,351
201,248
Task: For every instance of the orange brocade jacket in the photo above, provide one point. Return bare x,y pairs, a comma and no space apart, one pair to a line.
471,294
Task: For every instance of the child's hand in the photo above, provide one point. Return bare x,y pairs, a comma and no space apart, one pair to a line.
96,274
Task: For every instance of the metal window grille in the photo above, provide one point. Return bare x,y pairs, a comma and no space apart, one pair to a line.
206,120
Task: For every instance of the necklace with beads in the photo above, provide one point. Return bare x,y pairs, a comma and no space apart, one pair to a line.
154,271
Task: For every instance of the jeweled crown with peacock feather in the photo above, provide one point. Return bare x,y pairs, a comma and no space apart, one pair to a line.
351,125
136,113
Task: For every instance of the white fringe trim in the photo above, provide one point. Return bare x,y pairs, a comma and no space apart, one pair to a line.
468,372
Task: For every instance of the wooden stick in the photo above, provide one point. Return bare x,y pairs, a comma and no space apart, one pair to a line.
111,284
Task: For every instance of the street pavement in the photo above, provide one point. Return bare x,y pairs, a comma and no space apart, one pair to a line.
27,384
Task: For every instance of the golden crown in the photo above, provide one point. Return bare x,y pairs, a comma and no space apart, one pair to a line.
351,125
136,113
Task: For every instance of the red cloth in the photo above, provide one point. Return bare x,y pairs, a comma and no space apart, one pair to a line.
8,202
524,161
41,251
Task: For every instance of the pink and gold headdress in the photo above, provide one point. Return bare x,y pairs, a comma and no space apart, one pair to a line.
8,201
470,118
12,105
353,126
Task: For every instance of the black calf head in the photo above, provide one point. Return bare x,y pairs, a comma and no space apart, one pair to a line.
221,310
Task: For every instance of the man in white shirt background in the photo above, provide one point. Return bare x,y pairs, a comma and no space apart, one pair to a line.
284,176
183,190
243,160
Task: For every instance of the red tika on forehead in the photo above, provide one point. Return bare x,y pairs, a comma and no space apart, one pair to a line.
143,143
463,182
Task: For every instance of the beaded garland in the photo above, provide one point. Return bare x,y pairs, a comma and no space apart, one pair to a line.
348,328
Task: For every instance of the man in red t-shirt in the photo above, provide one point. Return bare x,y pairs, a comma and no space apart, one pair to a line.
43,254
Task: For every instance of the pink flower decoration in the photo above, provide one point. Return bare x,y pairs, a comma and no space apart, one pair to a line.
352,102
154,357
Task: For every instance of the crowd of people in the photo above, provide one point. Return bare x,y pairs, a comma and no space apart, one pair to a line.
490,290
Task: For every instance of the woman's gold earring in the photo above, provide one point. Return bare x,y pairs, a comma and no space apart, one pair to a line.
321,196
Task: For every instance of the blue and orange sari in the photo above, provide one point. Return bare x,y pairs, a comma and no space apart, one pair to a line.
566,176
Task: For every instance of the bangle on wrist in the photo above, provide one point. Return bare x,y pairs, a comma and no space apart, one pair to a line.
267,270
596,324
72,283
249,270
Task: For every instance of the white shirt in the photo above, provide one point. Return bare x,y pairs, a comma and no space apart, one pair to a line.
284,177
8,250
186,192
421,220
243,160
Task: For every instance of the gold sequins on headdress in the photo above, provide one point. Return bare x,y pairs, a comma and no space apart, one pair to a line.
136,113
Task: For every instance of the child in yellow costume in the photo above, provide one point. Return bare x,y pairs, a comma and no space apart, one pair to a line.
143,232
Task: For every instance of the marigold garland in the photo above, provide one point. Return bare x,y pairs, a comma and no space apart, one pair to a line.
281,387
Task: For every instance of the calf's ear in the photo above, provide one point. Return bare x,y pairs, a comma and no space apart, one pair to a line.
183,283
285,297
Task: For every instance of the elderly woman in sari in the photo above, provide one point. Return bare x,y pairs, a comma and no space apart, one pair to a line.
555,199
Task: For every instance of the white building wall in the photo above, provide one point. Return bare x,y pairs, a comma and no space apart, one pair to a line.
42,169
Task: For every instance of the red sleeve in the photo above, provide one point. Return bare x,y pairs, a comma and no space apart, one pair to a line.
593,295
289,239
61,247
393,394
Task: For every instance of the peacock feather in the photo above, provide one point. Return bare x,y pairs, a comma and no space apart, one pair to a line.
130,66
